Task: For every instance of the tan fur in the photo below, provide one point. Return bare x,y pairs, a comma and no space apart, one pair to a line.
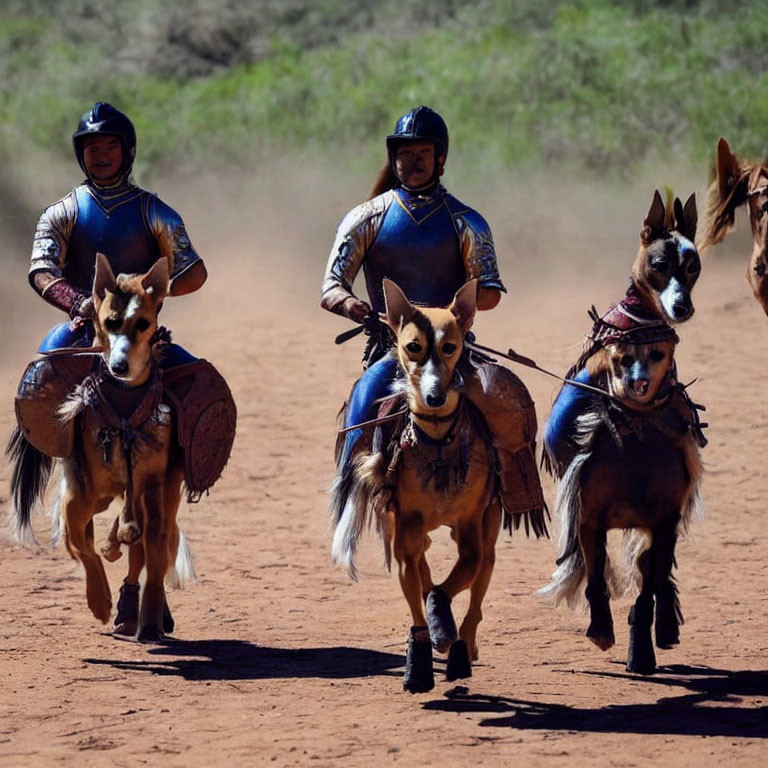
416,510
90,484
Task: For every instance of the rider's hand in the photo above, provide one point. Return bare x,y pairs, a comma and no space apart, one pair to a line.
356,309
82,311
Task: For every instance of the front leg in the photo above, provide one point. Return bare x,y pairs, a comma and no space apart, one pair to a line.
409,546
669,616
600,630
155,541
78,519
640,658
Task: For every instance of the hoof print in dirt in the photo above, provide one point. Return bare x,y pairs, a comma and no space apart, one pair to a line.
419,673
459,665
442,625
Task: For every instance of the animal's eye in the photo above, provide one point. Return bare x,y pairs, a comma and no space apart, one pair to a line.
660,264
413,347
627,361
142,324
656,355
113,324
694,265
449,348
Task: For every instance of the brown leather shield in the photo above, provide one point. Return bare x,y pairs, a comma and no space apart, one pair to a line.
43,388
206,419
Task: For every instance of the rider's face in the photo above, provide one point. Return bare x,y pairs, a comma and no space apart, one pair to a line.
415,163
103,158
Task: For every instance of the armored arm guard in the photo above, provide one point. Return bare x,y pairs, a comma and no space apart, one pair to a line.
171,234
49,251
354,237
477,250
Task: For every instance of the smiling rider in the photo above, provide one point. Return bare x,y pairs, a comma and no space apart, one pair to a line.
412,231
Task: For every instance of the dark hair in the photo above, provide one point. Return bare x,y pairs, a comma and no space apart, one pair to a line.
386,180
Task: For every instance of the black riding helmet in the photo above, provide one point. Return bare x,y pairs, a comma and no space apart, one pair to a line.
105,120
420,124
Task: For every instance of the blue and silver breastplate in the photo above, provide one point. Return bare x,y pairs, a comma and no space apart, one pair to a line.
112,222
418,248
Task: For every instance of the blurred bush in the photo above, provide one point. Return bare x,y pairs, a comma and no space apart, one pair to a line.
584,84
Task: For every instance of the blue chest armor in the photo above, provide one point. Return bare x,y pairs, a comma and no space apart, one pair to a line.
115,225
418,248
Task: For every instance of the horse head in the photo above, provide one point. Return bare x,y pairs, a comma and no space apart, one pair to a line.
735,184
639,375
429,346
125,317
667,264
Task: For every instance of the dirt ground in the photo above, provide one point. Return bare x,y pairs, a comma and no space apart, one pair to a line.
278,657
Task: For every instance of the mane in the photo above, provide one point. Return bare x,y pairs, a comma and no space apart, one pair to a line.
721,211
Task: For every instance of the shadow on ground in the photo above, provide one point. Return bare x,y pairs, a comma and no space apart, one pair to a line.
239,660
711,708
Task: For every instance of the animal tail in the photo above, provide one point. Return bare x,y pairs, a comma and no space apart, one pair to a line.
350,509
183,568
29,478
570,571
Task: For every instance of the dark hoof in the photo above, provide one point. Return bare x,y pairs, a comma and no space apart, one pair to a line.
419,675
442,626
667,624
602,637
641,660
667,636
459,665
149,633
127,609
168,622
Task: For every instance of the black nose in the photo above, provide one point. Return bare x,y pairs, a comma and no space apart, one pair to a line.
435,401
119,368
680,309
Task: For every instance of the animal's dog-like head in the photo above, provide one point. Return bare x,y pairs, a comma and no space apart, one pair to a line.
126,309
737,183
668,264
635,373
429,345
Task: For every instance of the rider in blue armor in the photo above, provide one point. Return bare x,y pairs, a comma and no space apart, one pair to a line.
107,213
412,231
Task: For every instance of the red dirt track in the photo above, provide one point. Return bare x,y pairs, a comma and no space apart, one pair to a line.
279,659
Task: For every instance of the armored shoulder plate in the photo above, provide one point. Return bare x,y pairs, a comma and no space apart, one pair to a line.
206,418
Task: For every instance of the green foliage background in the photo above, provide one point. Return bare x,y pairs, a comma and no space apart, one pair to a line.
585,85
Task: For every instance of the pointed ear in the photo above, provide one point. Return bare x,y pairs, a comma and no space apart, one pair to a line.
728,169
156,281
398,309
104,279
653,224
464,305
687,218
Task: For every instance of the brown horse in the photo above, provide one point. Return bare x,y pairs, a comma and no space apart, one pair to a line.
123,446
735,184
637,467
433,465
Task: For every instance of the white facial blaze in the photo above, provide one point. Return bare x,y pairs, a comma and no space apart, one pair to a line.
124,361
675,294
430,381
